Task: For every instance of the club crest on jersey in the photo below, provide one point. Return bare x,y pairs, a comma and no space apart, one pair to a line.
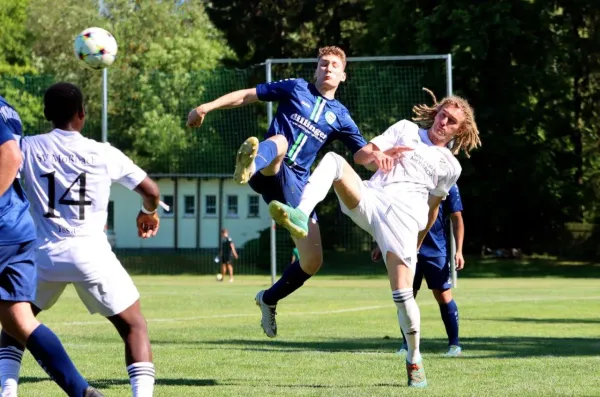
330,117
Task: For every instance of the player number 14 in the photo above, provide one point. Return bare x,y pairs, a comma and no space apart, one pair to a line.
81,203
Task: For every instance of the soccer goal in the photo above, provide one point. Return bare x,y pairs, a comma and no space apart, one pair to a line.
378,92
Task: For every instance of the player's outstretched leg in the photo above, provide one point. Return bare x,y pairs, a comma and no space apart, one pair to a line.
22,329
132,328
409,317
254,156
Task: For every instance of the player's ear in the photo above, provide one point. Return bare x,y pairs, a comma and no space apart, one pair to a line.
343,76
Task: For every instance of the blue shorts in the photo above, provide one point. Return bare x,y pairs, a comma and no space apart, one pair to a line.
285,186
18,276
436,272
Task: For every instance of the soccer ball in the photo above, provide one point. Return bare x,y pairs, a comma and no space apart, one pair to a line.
219,277
96,47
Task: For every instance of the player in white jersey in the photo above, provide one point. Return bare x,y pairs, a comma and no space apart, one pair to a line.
68,179
399,204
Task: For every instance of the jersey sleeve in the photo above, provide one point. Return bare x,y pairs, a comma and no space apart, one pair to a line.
276,90
453,201
350,135
447,181
122,169
6,133
391,136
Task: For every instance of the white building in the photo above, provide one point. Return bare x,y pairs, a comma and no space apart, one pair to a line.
200,207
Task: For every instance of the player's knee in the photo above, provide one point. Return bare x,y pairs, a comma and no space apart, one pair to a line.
335,160
281,143
442,296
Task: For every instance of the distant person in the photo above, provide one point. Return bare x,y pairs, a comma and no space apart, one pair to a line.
227,251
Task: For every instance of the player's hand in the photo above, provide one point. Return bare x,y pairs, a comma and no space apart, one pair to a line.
459,260
376,254
398,151
147,224
383,161
196,117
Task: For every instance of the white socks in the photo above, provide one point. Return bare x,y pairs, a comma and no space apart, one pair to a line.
409,319
141,377
328,171
10,366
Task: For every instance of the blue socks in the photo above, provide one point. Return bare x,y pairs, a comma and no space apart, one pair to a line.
267,151
50,354
292,279
449,314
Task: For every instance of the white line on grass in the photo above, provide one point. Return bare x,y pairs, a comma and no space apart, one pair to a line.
349,310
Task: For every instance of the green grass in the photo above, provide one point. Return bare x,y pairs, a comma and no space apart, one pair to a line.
337,337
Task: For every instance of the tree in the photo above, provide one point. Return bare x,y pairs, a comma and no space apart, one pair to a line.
163,47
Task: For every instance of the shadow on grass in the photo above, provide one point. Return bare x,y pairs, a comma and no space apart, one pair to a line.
502,347
545,320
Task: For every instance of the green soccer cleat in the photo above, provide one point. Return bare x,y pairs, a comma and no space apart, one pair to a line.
244,161
416,374
292,219
453,351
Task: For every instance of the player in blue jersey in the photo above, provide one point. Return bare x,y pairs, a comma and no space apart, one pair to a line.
307,118
433,264
18,273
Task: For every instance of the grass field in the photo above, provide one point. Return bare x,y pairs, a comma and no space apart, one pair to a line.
522,336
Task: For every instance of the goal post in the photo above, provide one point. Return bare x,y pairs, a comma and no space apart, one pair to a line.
378,92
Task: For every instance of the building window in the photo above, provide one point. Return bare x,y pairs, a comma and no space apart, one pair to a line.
232,205
253,206
189,203
168,200
210,205
110,220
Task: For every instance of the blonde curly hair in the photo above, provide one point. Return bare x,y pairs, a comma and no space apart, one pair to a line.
467,138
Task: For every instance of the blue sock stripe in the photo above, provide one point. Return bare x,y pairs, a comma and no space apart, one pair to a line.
10,354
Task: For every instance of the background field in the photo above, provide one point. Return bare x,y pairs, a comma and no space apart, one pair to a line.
535,334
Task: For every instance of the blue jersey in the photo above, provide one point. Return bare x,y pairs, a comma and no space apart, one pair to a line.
435,242
16,224
308,121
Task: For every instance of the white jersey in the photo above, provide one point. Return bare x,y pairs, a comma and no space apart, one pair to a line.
418,173
68,179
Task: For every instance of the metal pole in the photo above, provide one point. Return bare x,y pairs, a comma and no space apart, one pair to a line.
452,241
105,105
273,235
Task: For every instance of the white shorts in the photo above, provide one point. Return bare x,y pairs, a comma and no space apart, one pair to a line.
388,222
101,282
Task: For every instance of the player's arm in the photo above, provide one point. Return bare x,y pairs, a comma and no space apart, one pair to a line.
235,254
458,227
10,161
10,158
381,152
372,158
232,100
147,220
434,206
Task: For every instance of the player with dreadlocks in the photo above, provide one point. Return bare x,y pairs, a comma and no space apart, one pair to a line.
400,202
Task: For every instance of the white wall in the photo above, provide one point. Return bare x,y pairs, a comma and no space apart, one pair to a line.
241,227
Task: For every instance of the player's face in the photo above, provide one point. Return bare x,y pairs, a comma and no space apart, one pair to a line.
330,71
447,124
